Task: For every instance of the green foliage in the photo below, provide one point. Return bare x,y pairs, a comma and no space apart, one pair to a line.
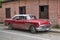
1,2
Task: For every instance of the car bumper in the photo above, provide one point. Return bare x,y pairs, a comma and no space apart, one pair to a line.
43,28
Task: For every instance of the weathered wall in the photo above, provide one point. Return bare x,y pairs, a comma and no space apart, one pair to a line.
1,15
32,7
53,11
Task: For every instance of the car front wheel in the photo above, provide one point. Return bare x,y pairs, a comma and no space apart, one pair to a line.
32,29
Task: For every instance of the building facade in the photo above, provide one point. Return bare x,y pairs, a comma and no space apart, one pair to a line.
42,9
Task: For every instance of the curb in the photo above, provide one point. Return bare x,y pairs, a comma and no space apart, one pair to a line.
1,24
55,31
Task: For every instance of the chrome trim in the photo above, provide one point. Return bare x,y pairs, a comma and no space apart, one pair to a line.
43,28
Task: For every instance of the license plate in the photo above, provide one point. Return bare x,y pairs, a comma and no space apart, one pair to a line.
46,28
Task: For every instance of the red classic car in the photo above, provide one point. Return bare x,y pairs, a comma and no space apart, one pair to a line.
28,22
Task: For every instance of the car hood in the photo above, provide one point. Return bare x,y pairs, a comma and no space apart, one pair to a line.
42,21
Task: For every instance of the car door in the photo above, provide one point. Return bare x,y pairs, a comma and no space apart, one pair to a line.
19,22
15,22
25,22
22,22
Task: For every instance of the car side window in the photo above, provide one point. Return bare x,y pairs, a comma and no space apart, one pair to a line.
22,18
16,18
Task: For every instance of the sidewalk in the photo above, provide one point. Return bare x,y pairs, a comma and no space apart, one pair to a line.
1,24
55,30
52,30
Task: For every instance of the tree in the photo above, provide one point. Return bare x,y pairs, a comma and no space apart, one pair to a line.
1,2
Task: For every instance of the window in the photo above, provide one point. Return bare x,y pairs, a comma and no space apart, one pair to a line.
33,17
22,10
43,12
8,15
16,18
20,18
42,8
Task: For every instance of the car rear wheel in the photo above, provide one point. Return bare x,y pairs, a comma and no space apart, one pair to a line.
10,26
32,29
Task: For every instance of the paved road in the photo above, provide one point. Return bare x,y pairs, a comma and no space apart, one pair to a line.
6,34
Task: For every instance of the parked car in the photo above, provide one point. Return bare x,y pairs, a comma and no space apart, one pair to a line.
28,22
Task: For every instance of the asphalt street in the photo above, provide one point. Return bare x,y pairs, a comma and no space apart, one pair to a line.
6,34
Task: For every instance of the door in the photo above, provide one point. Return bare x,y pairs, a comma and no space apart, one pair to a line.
8,13
44,12
22,10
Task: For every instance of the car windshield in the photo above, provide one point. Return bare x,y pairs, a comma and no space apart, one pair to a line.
33,17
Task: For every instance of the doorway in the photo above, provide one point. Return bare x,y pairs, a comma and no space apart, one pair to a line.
43,12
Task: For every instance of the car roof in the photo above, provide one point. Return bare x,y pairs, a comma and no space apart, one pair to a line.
23,15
